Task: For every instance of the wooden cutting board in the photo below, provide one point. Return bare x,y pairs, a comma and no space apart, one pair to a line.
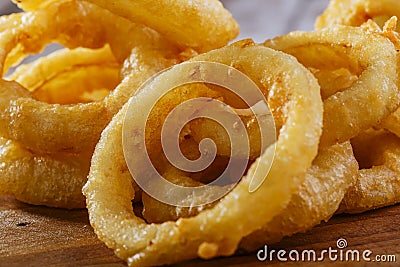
39,236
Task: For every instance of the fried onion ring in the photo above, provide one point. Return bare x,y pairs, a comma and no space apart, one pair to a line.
368,55
35,124
378,181
90,71
109,192
360,13
389,30
211,25
356,12
53,181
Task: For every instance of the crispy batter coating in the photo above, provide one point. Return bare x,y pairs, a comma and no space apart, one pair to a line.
213,232
37,125
356,12
93,72
369,56
53,181
378,181
317,199
200,24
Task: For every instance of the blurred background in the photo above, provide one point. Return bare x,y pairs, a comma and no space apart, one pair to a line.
259,19
6,7
264,19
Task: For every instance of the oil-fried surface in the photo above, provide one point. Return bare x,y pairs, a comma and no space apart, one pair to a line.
215,231
378,181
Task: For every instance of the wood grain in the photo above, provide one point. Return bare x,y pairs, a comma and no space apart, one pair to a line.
39,236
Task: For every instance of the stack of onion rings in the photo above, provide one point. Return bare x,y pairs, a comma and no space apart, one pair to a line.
306,208
207,233
211,26
377,182
79,133
309,206
59,125
373,96
330,92
215,231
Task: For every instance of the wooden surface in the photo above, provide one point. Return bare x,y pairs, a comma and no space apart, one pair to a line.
39,236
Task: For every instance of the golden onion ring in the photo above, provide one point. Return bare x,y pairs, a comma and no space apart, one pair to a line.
53,181
41,179
372,57
35,124
360,13
356,12
211,25
49,78
215,231
389,30
378,181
